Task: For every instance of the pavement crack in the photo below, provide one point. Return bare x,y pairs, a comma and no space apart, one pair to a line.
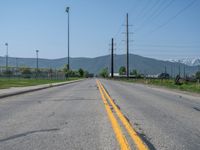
28,133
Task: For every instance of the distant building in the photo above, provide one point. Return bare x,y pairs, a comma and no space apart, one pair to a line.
114,74
152,76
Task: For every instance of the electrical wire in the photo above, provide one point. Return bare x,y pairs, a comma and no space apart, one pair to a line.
161,8
174,16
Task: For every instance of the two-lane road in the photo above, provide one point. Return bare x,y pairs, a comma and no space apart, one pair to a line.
73,117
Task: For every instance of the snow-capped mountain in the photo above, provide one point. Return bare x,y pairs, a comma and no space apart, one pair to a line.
187,61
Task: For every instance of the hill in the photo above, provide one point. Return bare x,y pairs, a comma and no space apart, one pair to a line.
94,65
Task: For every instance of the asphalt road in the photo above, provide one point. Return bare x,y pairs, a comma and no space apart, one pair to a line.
73,117
67,117
167,120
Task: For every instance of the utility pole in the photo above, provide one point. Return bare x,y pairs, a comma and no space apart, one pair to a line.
165,71
184,71
16,63
171,71
112,58
179,70
127,46
67,10
6,44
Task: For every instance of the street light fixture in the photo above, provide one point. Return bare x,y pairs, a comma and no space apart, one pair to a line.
67,10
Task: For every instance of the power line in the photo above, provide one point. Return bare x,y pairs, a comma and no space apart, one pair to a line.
137,6
150,12
174,16
142,12
161,8
168,46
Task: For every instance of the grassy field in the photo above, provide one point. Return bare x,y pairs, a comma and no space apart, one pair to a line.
7,83
191,87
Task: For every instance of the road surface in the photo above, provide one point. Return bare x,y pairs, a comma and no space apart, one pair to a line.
67,117
167,120
74,117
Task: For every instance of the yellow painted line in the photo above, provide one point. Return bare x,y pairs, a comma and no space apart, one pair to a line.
117,130
137,140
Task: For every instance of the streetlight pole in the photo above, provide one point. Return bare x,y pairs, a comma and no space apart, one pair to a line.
67,10
37,62
6,44
16,69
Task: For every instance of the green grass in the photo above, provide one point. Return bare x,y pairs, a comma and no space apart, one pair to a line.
191,87
7,83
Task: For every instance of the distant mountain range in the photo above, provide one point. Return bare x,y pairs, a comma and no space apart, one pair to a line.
94,65
188,61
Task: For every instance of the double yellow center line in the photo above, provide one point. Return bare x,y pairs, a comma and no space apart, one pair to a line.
115,125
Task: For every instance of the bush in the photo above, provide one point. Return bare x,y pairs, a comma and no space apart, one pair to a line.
26,72
104,73
122,70
81,72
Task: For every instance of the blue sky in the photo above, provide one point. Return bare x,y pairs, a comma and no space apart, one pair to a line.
161,29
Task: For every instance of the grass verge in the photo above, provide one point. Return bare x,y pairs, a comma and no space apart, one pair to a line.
190,87
7,83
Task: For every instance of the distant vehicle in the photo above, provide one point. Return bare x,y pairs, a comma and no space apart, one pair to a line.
163,76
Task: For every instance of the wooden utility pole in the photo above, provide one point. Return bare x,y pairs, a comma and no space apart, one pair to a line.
184,71
127,46
112,58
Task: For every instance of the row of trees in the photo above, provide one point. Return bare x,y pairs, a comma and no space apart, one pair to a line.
75,73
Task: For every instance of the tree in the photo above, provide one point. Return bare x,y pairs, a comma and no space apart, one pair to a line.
104,73
8,72
134,72
65,68
122,70
198,75
66,71
81,72
50,73
86,74
26,72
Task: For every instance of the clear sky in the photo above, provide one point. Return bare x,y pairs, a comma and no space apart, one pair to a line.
161,29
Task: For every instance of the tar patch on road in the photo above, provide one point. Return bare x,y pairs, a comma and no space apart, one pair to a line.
28,133
196,108
145,139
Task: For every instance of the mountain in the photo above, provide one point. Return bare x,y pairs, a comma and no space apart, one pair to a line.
94,65
188,61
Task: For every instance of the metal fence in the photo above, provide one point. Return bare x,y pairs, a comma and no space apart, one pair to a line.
13,72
